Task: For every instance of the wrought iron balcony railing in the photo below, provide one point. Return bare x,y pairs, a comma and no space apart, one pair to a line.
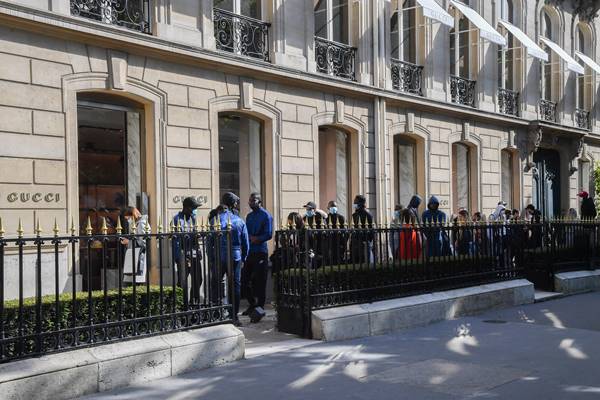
582,118
462,90
547,110
241,35
407,77
131,14
508,100
335,59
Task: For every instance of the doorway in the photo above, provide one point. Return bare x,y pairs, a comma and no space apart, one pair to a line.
546,183
110,174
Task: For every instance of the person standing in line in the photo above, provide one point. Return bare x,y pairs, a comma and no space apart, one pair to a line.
184,254
254,274
136,223
337,248
588,208
436,237
239,251
313,218
413,207
362,240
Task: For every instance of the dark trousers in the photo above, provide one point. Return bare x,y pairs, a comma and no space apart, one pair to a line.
217,289
254,279
187,265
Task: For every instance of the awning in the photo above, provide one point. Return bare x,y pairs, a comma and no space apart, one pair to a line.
588,61
431,9
532,48
571,63
486,31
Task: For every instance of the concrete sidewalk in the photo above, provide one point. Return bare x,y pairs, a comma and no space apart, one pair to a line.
548,350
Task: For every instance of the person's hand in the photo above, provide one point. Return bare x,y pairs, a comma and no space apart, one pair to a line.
125,241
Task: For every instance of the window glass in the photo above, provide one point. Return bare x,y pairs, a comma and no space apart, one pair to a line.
407,171
321,19
507,177
462,176
409,31
224,4
339,19
250,8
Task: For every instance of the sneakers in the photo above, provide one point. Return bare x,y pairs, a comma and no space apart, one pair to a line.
257,314
248,311
237,323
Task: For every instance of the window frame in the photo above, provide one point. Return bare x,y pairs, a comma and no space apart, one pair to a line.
330,21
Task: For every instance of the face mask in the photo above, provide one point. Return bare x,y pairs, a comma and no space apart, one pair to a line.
253,204
397,214
195,213
355,206
332,210
310,213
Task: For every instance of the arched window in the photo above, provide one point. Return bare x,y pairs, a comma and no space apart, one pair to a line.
406,169
463,175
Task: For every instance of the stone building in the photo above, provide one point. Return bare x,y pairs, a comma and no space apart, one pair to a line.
107,103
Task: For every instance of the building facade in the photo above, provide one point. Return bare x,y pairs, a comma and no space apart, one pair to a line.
109,103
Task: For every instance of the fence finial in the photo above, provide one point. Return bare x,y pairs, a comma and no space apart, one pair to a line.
1,229
88,227
72,227
159,227
104,228
55,229
119,228
202,225
171,227
147,229
228,222
38,229
20,230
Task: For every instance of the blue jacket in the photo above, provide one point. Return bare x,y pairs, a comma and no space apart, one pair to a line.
260,224
180,220
239,237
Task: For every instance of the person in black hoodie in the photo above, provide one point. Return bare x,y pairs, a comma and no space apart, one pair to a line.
336,246
362,239
413,207
588,208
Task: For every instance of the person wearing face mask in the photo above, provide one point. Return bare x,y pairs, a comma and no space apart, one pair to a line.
313,217
337,249
135,223
362,239
184,251
436,237
259,224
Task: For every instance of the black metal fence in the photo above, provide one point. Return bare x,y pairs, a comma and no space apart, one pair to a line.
322,268
50,300
241,35
131,14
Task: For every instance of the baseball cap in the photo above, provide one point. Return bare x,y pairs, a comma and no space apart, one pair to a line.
191,203
583,194
310,204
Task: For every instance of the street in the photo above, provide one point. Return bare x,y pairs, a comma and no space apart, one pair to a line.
547,350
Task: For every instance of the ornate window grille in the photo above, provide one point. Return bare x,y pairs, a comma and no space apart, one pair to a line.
334,58
508,101
131,14
548,110
582,118
407,77
241,35
462,90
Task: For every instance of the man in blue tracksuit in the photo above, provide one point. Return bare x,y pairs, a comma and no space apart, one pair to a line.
239,249
436,236
254,274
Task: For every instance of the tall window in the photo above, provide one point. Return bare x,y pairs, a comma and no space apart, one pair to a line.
547,67
585,83
460,51
249,8
331,20
585,176
507,56
404,30
334,169
406,167
508,177
462,176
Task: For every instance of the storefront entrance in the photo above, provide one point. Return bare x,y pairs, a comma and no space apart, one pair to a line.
546,182
110,178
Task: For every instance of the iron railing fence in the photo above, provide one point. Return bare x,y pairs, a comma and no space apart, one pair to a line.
582,118
131,14
336,59
407,77
508,101
547,110
241,35
462,90
322,268
63,292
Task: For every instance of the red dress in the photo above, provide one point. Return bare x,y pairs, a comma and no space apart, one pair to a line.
410,246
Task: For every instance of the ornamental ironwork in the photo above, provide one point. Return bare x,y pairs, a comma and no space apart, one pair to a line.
582,118
508,100
407,77
131,14
462,90
335,59
548,110
241,35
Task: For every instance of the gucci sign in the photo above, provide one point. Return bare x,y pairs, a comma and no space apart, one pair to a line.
202,200
24,197
32,196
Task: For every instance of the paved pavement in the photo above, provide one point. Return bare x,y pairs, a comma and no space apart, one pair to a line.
548,350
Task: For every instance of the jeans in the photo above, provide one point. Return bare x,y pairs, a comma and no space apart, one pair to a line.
217,285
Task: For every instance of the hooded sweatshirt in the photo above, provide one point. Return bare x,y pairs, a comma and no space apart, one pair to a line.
430,216
498,214
413,207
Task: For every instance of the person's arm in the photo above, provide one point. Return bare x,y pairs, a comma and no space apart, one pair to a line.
245,244
267,230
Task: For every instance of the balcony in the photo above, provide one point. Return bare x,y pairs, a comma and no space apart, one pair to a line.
131,14
462,91
335,59
241,35
407,77
547,110
582,118
508,100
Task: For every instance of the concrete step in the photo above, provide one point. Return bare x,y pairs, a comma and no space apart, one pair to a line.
541,295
